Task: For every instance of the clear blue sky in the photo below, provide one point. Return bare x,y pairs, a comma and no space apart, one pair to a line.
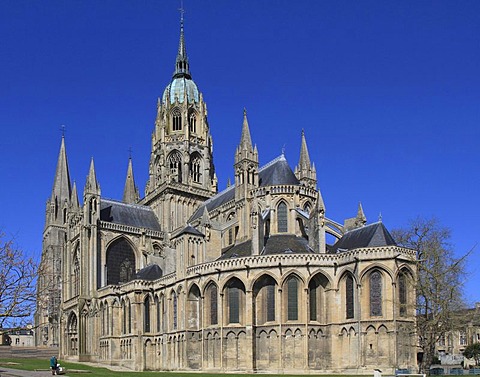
388,93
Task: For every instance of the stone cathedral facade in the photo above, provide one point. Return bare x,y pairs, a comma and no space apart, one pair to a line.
189,278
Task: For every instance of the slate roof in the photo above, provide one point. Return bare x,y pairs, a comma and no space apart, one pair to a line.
128,214
372,235
276,172
277,244
151,272
285,244
190,230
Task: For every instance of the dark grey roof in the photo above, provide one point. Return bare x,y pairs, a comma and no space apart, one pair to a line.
190,230
372,235
278,244
243,249
128,214
151,272
285,244
276,172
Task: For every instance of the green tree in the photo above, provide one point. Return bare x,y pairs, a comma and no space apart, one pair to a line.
473,352
439,285
17,284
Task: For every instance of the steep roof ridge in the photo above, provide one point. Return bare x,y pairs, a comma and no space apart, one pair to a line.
131,205
275,160
366,226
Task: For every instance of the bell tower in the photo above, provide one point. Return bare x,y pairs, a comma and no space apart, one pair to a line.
181,170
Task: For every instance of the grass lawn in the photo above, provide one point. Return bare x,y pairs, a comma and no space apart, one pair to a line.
33,364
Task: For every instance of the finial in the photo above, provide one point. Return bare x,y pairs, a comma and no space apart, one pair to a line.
244,112
182,11
380,217
130,153
62,128
283,150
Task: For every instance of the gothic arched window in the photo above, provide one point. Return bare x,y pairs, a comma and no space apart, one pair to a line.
212,297
264,291
235,300
174,310
175,166
282,218
195,167
192,123
120,262
76,273
146,314
402,293
349,297
292,299
375,294
176,120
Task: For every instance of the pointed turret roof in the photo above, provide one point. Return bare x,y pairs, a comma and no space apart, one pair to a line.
245,140
304,161
130,192
61,185
360,214
74,197
91,184
181,63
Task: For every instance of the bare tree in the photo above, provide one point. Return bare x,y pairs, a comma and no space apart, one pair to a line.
17,284
439,284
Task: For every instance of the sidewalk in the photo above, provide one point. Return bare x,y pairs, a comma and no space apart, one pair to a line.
8,372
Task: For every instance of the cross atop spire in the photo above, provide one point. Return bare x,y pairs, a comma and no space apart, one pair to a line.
181,63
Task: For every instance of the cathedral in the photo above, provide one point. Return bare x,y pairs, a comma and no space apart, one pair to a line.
189,278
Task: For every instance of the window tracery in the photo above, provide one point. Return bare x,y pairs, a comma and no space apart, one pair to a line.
375,294
176,120
282,219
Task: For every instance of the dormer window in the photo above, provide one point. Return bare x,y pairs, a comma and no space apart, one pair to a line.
176,120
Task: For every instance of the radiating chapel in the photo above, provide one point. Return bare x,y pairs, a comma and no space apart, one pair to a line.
189,278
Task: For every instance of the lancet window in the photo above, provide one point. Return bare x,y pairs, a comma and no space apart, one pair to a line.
349,297
375,294
282,218
176,120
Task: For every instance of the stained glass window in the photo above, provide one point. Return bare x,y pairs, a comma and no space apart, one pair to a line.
313,301
375,294
402,294
213,305
349,296
146,314
282,217
175,308
234,305
270,292
292,299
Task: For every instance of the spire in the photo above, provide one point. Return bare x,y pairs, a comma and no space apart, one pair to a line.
61,185
74,197
361,218
245,140
130,192
92,184
181,63
304,161
305,170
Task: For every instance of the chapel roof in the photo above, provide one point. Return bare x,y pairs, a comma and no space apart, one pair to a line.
276,172
151,272
276,244
128,214
372,235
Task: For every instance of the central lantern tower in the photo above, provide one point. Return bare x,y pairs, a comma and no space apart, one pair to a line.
181,170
